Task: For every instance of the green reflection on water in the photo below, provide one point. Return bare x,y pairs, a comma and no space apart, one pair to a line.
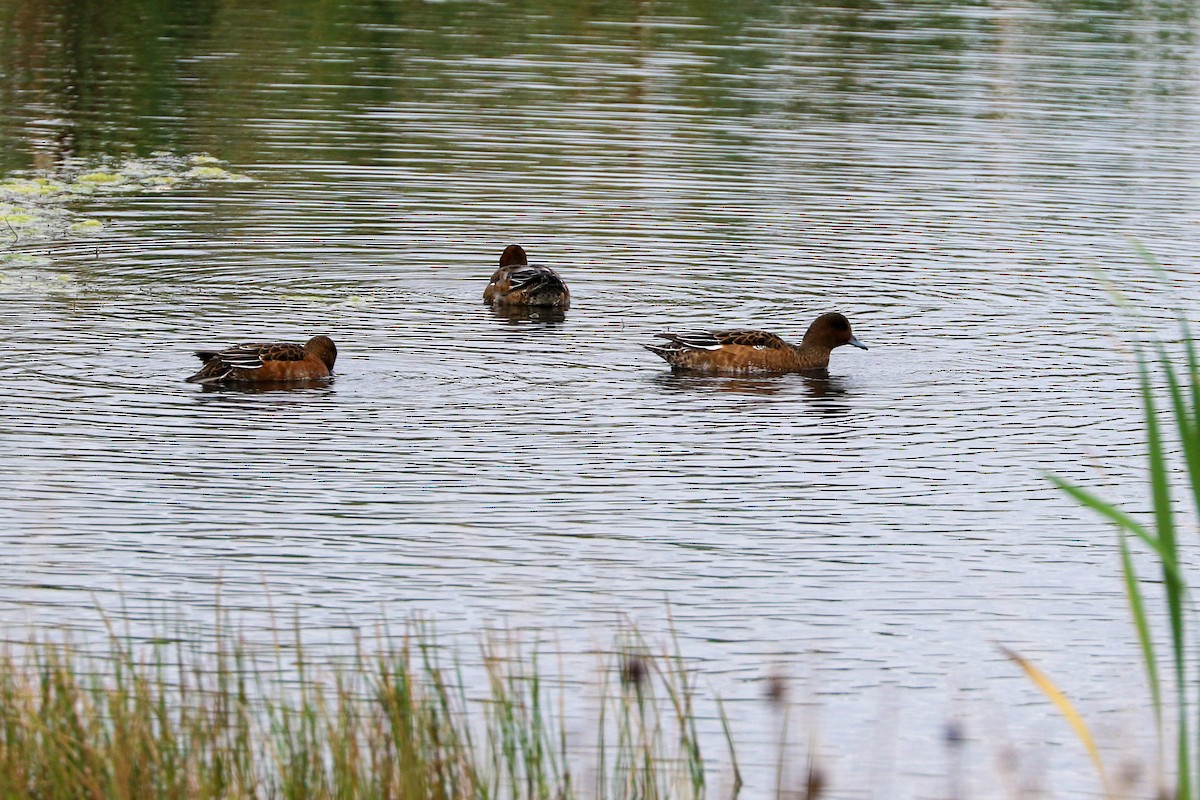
132,77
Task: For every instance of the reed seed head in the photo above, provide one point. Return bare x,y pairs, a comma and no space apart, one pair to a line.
776,690
1130,774
634,670
954,734
814,783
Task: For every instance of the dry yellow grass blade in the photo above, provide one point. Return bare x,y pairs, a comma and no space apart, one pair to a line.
1043,682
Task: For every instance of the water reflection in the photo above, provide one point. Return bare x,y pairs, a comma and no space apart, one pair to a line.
802,60
516,315
819,390
824,394
259,387
685,381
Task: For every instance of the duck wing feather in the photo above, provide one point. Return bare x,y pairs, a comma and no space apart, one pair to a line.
532,277
715,340
253,356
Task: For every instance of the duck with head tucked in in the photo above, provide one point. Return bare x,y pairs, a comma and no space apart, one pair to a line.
518,283
278,362
745,351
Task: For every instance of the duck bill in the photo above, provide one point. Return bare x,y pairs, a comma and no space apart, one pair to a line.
857,343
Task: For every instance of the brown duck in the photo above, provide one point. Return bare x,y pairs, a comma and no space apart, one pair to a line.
519,283
742,351
267,363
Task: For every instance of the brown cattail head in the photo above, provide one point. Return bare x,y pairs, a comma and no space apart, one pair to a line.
776,690
954,734
634,670
814,782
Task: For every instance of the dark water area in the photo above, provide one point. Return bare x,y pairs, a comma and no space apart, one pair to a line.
968,182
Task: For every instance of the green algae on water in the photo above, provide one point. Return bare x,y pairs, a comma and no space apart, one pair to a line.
36,207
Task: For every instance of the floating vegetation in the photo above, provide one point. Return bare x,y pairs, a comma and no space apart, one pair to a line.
36,207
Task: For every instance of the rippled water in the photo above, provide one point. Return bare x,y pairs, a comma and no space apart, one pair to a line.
961,180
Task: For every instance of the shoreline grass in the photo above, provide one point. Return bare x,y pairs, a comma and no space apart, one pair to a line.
170,720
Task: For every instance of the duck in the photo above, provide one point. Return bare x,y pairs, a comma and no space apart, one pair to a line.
519,283
745,351
276,362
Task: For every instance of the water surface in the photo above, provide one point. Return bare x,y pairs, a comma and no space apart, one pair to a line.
961,180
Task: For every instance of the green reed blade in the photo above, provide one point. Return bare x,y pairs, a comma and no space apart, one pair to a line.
1106,509
1193,376
1184,425
1187,418
1141,622
1174,583
733,759
1188,425
1186,428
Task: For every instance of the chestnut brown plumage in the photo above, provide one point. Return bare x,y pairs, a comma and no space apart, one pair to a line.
276,362
518,283
742,351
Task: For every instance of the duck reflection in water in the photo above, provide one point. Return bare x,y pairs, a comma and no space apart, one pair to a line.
821,391
824,393
268,386
541,315
693,382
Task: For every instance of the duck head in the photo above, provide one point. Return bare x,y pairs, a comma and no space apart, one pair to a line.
512,256
831,330
323,348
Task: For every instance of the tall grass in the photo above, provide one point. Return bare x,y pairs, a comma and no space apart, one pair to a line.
1161,537
174,721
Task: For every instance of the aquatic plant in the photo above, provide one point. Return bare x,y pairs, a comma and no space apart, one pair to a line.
158,720
1161,537
36,207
